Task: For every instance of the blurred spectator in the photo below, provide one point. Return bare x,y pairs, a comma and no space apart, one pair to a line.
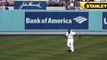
67,2
7,4
69,5
55,3
2,7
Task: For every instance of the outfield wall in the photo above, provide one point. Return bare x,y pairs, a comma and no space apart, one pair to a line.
14,22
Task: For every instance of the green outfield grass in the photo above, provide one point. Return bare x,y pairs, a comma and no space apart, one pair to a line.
52,48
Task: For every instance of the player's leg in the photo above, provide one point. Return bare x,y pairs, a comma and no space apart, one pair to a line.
71,45
68,45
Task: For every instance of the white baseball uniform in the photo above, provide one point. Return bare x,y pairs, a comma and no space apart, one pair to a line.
70,40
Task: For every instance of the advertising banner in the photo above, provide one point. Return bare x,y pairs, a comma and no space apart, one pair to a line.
37,5
93,5
56,20
104,20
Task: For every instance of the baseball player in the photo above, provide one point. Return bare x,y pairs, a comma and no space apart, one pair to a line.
70,40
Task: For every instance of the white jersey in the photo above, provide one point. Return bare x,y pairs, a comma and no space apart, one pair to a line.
70,36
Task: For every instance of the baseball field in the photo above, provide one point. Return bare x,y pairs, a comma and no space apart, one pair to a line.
52,48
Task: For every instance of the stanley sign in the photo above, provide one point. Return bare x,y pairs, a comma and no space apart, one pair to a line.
93,5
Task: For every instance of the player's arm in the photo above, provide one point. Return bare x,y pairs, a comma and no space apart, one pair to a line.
66,36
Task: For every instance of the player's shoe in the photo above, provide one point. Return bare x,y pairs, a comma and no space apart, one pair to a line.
69,50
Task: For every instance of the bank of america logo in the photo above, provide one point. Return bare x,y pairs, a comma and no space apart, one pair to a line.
80,19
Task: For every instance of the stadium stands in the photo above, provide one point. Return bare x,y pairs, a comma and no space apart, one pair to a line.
55,3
